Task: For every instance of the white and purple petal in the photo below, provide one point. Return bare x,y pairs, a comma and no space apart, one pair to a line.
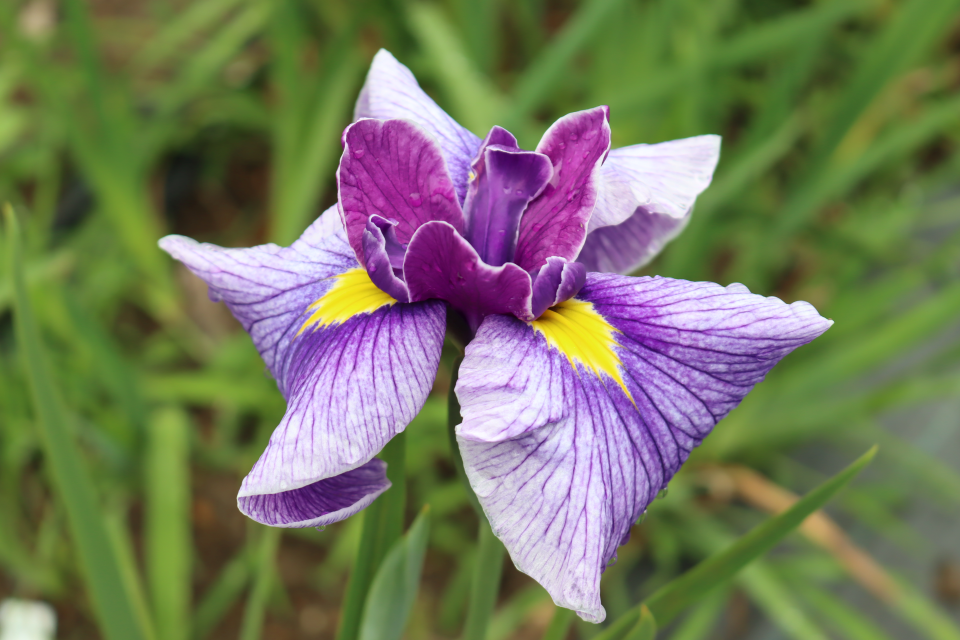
646,196
349,386
393,169
391,92
564,459
555,224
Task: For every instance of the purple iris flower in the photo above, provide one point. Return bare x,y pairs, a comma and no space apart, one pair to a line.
582,391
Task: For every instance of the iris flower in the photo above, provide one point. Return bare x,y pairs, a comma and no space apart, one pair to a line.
582,391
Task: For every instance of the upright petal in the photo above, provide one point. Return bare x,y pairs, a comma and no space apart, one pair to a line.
572,424
631,244
391,92
647,192
354,366
555,224
441,264
393,169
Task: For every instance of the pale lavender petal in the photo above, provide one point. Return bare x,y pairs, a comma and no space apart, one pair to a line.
629,245
558,280
391,92
647,192
504,181
563,460
321,503
555,224
267,288
441,264
393,169
350,388
380,251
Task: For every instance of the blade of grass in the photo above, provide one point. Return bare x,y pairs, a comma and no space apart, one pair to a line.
221,595
113,606
668,601
255,611
170,42
168,538
559,624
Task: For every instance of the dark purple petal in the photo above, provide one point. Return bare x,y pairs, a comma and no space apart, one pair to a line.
393,169
350,387
555,224
381,251
441,264
557,281
267,288
504,181
391,92
565,459
630,245
321,503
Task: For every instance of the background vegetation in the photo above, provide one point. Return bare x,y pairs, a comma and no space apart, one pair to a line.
123,120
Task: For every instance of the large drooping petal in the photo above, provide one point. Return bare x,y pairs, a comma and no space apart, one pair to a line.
572,424
354,366
391,91
646,198
441,264
393,169
631,244
555,224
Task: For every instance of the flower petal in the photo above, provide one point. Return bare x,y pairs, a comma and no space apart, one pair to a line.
629,245
557,281
323,502
382,254
555,224
391,92
354,366
392,168
440,263
572,425
352,385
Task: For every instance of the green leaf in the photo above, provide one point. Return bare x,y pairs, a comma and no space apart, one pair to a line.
266,568
646,627
168,536
559,624
113,605
692,586
222,594
382,527
394,588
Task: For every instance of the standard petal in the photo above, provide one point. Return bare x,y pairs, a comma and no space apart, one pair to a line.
440,264
321,503
570,428
555,224
557,281
268,287
391,91
629,245
393,169
351,385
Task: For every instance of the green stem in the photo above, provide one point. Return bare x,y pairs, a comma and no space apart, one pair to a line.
559,624
256,609
382,526
485,585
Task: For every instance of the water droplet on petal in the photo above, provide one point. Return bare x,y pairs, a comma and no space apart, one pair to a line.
590,134
415,200
372,268
643,516
573,137
663,492
322,527
358,153
283,485
562,145
612,561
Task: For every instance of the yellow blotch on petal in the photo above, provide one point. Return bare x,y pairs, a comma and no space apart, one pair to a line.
576,330
352,293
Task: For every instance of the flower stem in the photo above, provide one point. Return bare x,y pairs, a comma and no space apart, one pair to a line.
485,585
382,526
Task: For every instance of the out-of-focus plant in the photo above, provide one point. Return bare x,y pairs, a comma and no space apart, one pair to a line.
836,185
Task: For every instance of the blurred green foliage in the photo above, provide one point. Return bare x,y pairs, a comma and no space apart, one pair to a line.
123,121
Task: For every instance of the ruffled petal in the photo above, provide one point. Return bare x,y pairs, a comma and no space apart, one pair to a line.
557,281
440,264
626,247
354,365
573,423
555,224
391,91
393,169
